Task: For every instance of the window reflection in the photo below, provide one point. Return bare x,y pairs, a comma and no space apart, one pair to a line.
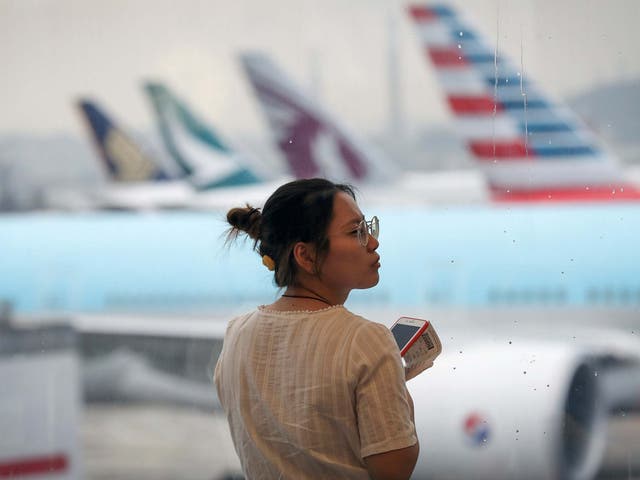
146,392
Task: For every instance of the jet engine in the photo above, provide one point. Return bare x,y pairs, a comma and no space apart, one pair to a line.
512,409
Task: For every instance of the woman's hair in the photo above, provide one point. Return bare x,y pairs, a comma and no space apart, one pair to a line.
298,211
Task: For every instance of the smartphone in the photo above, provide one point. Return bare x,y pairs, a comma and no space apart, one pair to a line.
407,330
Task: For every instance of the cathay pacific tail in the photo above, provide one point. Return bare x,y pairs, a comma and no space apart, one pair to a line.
529,147
206,160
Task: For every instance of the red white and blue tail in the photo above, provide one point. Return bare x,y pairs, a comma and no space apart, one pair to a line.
529,147
313,142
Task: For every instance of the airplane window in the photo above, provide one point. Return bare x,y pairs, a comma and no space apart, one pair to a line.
497,142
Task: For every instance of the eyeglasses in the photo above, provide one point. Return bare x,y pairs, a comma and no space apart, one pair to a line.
372,227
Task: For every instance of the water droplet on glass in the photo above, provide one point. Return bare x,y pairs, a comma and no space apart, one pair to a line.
524,372
461,33
459,46
595,374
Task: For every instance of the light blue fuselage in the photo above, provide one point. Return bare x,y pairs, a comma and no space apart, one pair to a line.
462,257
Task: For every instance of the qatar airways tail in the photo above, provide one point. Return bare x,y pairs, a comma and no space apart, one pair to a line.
124,160
312,141
205,159
528,146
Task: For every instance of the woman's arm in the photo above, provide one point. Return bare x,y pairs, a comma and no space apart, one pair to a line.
395,464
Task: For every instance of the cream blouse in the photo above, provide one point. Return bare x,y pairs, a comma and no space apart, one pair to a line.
309,394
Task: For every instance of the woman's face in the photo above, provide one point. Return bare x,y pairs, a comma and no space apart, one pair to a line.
348,265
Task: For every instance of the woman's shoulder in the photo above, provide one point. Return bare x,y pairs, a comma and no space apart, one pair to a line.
240,320
366,327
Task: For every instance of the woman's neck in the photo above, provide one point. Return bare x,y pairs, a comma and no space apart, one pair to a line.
306,297
316,290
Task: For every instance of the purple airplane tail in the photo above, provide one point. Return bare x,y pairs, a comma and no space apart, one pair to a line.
312,142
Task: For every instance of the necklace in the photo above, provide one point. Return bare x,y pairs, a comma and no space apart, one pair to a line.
319,298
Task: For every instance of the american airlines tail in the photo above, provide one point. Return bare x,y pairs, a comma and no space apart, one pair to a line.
124,160
313,142
206,160
529,147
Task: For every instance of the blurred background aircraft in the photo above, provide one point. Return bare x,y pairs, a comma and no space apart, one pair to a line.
496,281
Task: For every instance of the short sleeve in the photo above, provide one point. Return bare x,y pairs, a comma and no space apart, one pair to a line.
383,412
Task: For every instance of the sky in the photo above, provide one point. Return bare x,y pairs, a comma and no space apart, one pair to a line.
54,51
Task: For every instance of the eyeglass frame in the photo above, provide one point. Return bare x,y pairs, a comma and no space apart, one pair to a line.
366,228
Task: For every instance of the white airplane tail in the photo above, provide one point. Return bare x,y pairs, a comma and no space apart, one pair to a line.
312,141
528,146
205,159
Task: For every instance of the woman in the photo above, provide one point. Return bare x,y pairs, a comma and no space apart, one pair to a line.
310,389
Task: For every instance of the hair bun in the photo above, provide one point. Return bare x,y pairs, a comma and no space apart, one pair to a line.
245,219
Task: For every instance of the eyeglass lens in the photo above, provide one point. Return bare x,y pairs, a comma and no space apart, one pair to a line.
372,227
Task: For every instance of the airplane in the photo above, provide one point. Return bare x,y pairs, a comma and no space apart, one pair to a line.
536,308
209,171
123,159
199,151
219,173
527,145
314,142
531,149
135,180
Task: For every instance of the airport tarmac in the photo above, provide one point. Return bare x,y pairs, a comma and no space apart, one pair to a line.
143,442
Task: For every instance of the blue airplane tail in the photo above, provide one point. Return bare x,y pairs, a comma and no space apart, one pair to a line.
205,159
124,159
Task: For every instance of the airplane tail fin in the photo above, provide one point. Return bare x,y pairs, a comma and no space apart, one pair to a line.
201,154
312,142
529,146
124,160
